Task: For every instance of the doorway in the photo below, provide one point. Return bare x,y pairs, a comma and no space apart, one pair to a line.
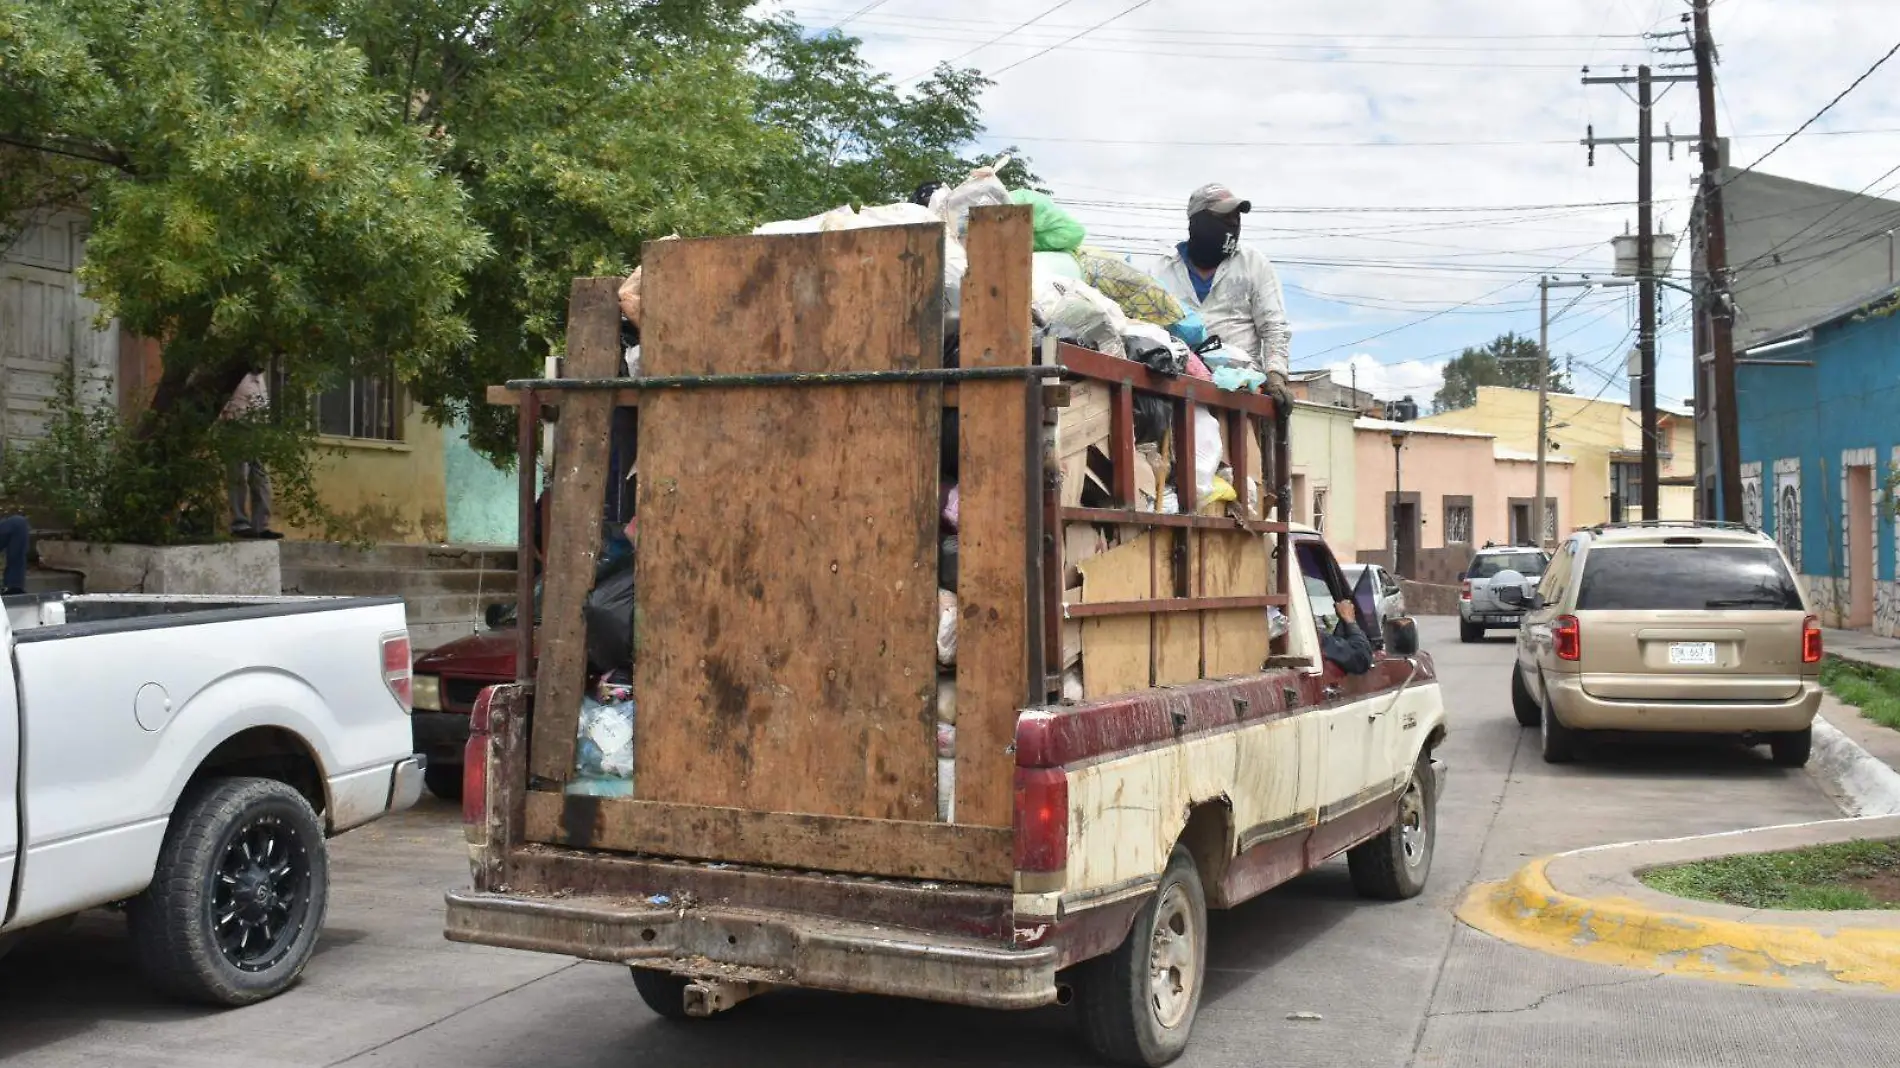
1403,510
1519,521
1861,558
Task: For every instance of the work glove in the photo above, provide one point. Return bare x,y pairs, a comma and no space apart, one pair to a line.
1276,388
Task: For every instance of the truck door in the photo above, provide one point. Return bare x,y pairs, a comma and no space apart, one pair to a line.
1356,743
9,779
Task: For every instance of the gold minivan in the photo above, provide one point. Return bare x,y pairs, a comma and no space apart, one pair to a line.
1684,627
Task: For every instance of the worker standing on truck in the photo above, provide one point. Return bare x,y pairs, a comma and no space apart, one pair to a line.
1235,289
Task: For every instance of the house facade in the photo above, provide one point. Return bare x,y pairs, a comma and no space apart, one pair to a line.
1325,475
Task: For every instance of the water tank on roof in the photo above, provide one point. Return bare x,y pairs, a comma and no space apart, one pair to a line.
1627,246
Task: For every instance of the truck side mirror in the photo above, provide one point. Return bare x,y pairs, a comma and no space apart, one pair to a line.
1401,636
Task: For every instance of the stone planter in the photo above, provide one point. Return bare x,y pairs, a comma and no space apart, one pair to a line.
248,568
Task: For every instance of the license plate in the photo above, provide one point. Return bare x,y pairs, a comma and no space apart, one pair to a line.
1504,619
1692,654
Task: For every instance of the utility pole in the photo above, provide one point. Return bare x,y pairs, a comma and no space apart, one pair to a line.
1646,292
1543,404
1720,314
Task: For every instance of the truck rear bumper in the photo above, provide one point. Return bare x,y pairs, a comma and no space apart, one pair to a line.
762,946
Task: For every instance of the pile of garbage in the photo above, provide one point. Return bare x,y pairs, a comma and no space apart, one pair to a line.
603,757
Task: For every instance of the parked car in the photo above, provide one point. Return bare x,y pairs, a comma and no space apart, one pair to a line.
1669,627
448,678
1385,589
1479,608
186,757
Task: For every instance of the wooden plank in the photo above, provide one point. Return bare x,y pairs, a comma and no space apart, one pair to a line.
998,597
577,491
1118,651
1235,564
899,849
788,537
1177,634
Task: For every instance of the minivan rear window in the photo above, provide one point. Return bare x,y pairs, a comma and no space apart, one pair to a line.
1686,578
1530,565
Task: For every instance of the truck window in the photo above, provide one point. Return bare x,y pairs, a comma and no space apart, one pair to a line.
1686,578
1530,565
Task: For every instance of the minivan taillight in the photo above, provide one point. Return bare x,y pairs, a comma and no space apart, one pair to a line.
1464,590
1566,638
1042,820
396,668
1811,641
475,761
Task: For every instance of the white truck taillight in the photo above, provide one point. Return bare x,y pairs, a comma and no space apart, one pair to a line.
396,668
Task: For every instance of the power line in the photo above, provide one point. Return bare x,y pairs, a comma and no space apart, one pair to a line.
1005,34
865,10
1838,97
1129,10
1528,143
1280,33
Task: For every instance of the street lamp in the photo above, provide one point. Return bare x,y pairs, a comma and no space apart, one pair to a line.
1398,488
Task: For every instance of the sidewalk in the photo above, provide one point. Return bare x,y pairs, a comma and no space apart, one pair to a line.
1862,647
1857,759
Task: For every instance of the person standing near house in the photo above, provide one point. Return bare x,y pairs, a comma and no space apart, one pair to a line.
16,536
250,482
1237,292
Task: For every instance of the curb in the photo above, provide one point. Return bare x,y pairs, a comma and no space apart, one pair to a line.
1865,780
1588,905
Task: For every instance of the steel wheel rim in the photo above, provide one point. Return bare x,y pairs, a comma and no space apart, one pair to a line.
1174,952
260,893
1412,830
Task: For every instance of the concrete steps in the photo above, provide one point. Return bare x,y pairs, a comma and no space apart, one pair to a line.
445,588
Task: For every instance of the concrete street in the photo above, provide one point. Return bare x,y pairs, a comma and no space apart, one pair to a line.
1392,984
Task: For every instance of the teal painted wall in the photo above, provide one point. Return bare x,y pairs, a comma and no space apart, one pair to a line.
481,496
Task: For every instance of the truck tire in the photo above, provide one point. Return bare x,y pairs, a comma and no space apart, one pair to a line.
1469,632
239,894
1790,749
1137,1004
1559,741
1523,705
443,780
1395,865
663,992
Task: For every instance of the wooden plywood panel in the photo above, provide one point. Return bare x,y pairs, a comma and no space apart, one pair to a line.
577,490
894,848
1118,651
1235,564
789,536
1177,634
998,560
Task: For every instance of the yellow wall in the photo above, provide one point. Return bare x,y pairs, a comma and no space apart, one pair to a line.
1320,446
385,491
1596,430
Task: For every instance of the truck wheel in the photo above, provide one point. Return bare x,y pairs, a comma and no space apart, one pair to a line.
1469,632
1395,865
1523,705
1559,741
1790,749
238,898
1137,1004
663,992
443,780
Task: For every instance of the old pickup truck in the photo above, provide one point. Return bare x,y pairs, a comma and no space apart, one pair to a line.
186,757
1135,740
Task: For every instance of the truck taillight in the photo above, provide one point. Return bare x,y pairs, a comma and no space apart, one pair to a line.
1811,641
1566,638
1042,820
396,668
1464,590
475,761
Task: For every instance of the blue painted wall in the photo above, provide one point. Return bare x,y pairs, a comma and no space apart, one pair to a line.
1850,399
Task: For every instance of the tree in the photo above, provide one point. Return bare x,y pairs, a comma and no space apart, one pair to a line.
1507,360
339,184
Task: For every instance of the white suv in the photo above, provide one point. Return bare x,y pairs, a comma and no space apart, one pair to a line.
1479,609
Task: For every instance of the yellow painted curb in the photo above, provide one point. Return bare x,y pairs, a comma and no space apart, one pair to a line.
1526,910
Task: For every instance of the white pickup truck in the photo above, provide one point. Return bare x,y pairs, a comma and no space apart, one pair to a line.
188,756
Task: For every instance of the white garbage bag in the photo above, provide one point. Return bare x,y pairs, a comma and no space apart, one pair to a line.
1076,311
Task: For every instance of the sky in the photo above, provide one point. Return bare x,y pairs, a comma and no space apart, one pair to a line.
1413,167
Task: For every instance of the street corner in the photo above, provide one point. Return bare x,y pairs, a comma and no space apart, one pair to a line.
1592,905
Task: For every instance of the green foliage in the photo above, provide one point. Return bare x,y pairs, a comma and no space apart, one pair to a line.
1823,877
1507,360
1874,690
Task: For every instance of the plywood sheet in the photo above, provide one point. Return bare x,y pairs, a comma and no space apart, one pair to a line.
999,559
577,490
1177,634
1235,564
1118,651
788,536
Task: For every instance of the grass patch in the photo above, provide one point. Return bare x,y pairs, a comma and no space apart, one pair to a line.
1849,875
1874,690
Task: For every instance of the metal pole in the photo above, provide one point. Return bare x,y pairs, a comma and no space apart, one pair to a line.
1543,403
1398,492
1646,273
1728,431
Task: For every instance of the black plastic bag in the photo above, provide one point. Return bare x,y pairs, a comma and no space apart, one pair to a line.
608,615
1154,414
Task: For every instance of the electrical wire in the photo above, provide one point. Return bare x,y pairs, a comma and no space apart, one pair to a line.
1526,143
916,18
1038,17
1129,10
865,10
1838,97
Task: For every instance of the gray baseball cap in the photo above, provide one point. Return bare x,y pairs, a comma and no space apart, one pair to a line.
1217,198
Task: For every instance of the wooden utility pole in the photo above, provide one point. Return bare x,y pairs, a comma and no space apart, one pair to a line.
1646,290
1543,405
1717,311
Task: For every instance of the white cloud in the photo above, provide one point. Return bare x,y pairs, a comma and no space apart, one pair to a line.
1417,379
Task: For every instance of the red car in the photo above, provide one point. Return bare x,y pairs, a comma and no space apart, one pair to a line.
447,681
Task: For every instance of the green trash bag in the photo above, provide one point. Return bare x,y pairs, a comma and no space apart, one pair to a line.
1055,230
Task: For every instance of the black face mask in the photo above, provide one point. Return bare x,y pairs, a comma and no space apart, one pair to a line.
1212,238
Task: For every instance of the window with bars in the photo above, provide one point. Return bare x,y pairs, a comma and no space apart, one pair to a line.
368,407
1319,510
